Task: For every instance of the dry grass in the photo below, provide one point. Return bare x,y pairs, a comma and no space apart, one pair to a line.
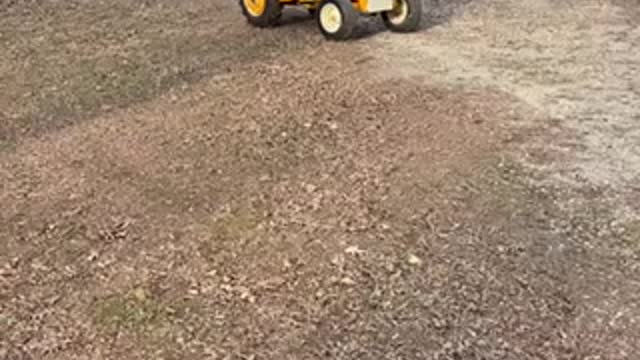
65,62
180,185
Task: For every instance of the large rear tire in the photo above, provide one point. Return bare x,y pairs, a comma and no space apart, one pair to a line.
261,13
405,16
337,19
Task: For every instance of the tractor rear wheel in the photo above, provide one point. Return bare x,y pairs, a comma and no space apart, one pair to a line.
337,19
405,16
261,13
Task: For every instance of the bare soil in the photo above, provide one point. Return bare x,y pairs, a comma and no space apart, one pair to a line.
179,185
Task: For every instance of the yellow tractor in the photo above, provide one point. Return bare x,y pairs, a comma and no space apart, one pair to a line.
338,18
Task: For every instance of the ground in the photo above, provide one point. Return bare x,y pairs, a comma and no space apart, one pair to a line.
179,185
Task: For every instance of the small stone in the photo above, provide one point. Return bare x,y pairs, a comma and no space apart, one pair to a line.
273,282
212,273
347,281
414,260
310,188
93,255
140,294
353,250
246,295
193,291
390,267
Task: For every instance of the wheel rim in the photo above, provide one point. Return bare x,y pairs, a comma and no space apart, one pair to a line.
255,7
400,12
331,18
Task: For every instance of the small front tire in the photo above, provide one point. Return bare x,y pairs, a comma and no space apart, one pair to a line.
337,19
405,16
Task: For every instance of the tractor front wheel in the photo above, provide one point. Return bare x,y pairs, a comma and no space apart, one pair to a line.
337,19
405,16
261,13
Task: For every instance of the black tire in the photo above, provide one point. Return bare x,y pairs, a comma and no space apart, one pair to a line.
349,19
269,17
312,11
398,21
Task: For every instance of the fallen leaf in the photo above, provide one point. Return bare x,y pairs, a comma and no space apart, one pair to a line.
353,250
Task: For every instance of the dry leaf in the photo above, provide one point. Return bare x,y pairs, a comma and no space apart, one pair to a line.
353,250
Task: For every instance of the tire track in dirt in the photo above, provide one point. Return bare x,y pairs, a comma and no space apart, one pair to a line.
569,71
581,73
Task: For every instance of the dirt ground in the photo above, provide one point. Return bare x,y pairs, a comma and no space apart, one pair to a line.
178,185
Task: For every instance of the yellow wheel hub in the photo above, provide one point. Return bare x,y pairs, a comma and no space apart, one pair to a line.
399,13
331,18
255,7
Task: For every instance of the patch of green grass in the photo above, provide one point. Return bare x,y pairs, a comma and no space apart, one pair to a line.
6,321
131,313
497,183
7,146
154,324
632,233
227,233
236,225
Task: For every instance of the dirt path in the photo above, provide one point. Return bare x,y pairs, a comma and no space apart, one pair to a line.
581,73
576,81
387,204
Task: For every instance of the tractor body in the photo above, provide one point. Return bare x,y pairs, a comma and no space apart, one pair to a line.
363,6
338,18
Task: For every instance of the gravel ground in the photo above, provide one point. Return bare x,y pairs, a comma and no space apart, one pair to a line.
581,74
466,192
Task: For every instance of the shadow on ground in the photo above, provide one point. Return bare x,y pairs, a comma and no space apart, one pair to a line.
435,12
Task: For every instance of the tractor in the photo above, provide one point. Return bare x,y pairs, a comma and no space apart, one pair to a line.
337,19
